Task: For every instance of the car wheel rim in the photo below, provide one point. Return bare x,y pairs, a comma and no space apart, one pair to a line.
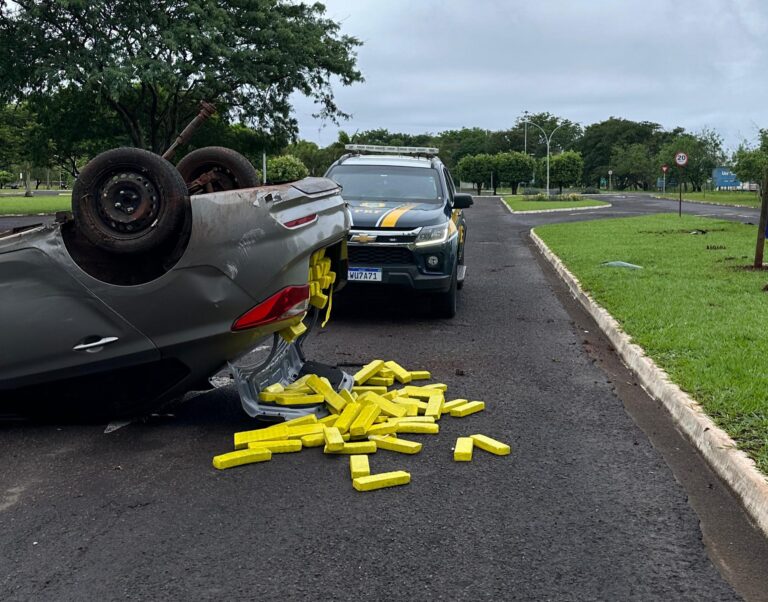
128,202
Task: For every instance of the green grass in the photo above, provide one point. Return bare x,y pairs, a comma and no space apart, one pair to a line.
746,199
518,203
20,205
693,307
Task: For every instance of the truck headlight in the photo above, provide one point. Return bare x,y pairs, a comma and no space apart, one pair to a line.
435,235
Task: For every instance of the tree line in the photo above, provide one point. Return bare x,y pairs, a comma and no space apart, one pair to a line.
79,78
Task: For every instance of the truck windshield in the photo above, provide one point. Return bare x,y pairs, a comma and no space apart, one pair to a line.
387,183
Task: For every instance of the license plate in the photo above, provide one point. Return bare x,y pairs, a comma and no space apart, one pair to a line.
364,274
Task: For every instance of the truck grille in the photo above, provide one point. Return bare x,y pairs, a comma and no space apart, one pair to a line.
364,255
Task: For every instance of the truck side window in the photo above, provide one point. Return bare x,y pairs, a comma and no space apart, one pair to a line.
449,181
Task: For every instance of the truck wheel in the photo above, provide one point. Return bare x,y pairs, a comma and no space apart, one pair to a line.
218,169
444,304
128,200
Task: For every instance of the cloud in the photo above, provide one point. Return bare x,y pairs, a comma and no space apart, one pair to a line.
434,65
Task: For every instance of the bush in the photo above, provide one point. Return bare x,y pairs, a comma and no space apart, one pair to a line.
285,168
590,190
555,197
531,191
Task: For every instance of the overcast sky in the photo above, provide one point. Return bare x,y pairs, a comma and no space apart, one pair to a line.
435,65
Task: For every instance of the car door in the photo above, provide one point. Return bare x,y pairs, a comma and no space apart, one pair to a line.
52,327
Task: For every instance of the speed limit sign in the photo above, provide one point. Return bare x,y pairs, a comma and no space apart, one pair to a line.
681,159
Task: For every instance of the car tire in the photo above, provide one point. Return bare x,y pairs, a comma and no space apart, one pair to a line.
128,200
234,171
444,304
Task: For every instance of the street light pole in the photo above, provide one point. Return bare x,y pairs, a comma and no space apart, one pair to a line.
548,140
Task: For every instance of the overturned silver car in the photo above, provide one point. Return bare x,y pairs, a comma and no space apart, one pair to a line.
160,277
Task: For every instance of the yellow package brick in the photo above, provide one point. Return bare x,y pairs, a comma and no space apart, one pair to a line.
370,369
463,450
381,480
420,374
348,396
329,420
385,428
435,406
491,445
404,446
297,432
238,458
335,401
409,401
333,439
401,374
277,447
271,433
419,392
364,419
388,408
454,403
379,389
298,400
354,447
359,466
291,333
316,440
420,428
438,386
423,419
467,409
347,416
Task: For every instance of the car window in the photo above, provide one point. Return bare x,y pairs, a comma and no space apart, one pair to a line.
388,183
449,181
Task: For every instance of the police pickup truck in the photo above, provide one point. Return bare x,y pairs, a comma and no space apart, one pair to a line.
408,227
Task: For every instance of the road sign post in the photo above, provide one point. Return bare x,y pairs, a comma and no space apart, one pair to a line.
610,173
664,170
681,160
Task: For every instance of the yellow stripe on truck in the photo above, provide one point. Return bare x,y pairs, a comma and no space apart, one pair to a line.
390,219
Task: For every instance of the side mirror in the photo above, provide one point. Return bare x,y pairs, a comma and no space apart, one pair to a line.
462,200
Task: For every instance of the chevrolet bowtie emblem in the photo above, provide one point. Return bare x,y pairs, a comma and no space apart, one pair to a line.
362,238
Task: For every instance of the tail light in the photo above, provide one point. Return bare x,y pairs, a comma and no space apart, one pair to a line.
302,221
290,302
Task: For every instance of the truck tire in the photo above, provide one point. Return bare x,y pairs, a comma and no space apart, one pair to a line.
444,304
128,200
232,170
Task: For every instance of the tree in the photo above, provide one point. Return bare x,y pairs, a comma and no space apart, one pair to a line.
5,177
566,169
285,168
456,144
599,140
151,61
633,166
311,155
566,137
513,168
476,169
751,165
704,150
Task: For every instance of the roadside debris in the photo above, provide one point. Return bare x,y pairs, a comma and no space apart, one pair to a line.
360,422
622,264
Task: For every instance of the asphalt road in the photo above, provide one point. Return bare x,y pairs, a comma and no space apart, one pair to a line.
587,507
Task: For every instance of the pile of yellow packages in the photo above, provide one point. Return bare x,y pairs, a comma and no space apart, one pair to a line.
321,280
361,421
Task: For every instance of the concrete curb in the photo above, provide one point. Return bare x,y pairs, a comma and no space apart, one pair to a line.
720,451
513,212
666,198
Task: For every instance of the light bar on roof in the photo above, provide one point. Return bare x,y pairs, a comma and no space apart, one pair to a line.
395,150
